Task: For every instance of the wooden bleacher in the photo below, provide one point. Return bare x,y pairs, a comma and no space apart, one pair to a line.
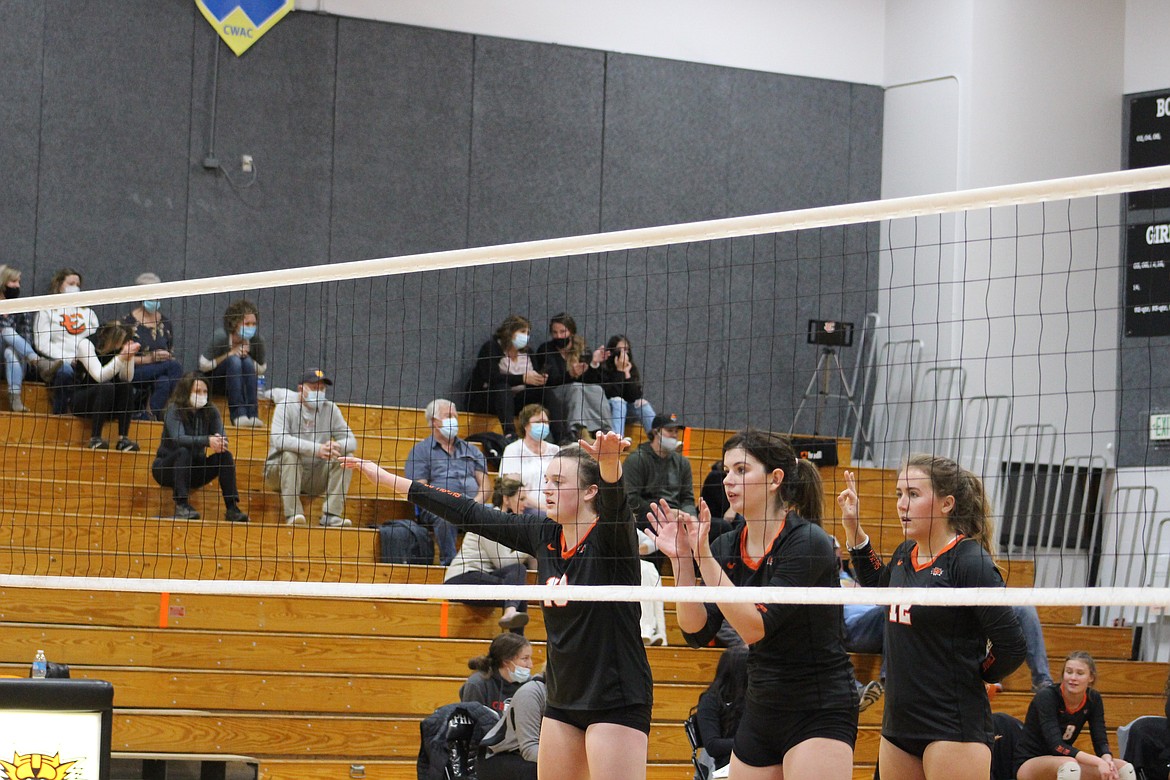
310,687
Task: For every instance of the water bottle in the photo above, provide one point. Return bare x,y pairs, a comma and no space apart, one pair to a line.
40,666
262,386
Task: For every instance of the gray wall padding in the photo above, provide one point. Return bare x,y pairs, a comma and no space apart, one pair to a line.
375,140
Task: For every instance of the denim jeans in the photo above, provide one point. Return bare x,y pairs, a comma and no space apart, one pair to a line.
239,376
158,379
619,411
1037,653
865,630
17,351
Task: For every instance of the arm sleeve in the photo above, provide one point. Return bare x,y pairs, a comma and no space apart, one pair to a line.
1097,724
686,496
808,559
615,522
872,571
634,478
89,361
40,332
218,347
520,532
258,351
342,433
174,430
281,440
475,689
717,745
417,464
1007,646
1047,703
527,709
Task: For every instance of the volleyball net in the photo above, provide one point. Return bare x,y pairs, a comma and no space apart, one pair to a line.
1017,329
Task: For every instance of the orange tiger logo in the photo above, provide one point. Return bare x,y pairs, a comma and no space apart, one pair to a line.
36,765
74,324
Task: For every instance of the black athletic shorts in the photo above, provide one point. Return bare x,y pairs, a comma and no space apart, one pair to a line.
916,747
766,734
635,716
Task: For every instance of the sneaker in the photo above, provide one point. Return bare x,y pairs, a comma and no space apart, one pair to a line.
1041,686
184,511
870,694
14,402
517,620
333,521
248,422
297,519
126,445
235,515
97,443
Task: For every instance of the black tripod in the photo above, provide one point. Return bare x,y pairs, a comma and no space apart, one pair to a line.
818,388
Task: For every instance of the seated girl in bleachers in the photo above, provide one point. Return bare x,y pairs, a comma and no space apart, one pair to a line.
481,561
16,342
104,370
529,456
57,332
505,377
191,426
235,358
575,396
515,741
155,368
622,383
498,674
1046,750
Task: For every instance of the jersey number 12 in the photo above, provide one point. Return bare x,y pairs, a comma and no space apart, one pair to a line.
900,613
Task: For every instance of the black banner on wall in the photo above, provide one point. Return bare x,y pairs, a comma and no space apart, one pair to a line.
1147,280
1149,144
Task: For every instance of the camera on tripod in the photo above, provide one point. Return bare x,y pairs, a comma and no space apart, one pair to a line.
830,333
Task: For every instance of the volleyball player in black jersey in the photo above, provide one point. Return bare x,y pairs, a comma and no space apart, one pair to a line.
1055,718
800,718
597,720
937,719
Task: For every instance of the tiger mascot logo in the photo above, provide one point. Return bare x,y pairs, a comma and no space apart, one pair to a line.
36,765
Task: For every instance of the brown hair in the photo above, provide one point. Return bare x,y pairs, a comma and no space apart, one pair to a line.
588,469
801,488
506,487
526,415
1084,657
111,336
234,314
504,648
60,276
971,516
181,395
511,325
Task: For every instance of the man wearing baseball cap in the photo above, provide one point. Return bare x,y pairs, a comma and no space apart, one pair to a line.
656,471
307,436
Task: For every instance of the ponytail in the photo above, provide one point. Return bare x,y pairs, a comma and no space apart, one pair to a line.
802,488
971,516
504,648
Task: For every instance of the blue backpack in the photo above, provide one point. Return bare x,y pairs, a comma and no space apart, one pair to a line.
405,541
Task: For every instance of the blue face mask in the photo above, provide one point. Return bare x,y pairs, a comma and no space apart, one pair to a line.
247,331
521,674
449,427
315,398
520,340
539,430
151,306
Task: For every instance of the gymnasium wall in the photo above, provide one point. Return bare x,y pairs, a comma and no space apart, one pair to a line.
373,139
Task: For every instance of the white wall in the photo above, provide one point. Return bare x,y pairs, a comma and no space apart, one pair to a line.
1147,68
829,39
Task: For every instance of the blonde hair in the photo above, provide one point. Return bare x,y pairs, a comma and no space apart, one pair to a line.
8,274
971,516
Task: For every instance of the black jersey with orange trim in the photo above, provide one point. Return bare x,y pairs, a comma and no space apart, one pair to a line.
937,658
1051,726
800,663
596,659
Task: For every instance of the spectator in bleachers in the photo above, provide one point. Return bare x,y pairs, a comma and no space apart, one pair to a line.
155,368
505,377
191,426
498,674
56,335
308,435
16,342
235,358
575,395
104,390
481,561
656,471
444,460
515,741
622,383
529,456
721,705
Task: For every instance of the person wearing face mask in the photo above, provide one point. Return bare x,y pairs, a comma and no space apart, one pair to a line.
656,471
16,342
499,673
575,395
191,427
155,368
234,360
57,332
505,377
529,456
308,435
446,461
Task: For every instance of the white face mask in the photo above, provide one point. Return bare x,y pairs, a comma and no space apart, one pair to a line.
668,443
449,427
70,288
521,674
520,340
315,398
198,400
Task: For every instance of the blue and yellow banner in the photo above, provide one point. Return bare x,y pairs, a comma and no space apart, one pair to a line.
241,22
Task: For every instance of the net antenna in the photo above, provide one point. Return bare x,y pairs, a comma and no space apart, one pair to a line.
829,335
